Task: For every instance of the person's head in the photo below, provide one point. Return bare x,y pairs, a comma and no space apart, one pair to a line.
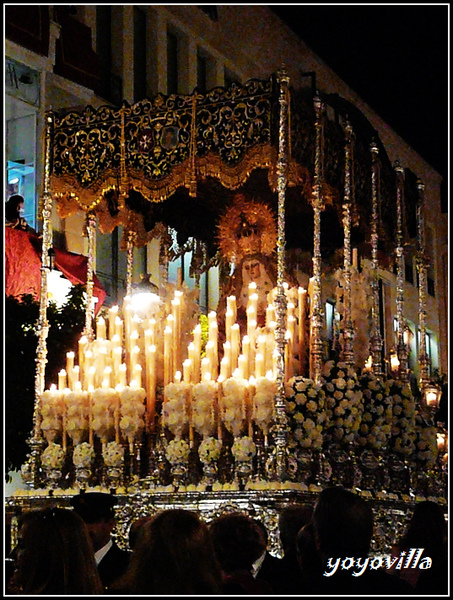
427,528
136,530
54,555
14,206
173,555
291,519
238,541
343,523
251,269
97,509
309,559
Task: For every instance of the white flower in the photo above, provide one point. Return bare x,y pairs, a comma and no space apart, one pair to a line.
175,414
53,457
243,449
209,450
203,402
177,451
83,455
113,454
310,414
263,402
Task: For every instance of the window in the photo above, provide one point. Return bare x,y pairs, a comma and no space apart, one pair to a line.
230,78
172,63
210,11
409,272
202,72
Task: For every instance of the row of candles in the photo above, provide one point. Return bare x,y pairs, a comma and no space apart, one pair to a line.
152,351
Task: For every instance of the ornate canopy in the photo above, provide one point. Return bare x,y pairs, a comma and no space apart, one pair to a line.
178,161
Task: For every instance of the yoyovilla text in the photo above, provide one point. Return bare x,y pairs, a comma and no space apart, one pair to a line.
412,559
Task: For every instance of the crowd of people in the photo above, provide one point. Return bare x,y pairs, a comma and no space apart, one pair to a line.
326,551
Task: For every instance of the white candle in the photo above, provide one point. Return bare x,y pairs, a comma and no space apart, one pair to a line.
69,361
227,356
205,368
176,308
137,376
122,375
259,365
82,346
246,353
151,386
235,343
197,344
101,333
302,295
242,367
270,314
107,380
62,380
167,355
187,370
224,368
90,377
113,314
119,328
231,306
74,378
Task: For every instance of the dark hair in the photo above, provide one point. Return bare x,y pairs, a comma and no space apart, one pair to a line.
136,530
343,523
54,555
427,528
238,541
12,207
173,556
291,520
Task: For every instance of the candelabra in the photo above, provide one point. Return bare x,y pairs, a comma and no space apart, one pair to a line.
376,339
401,347
280,426
348,330
422,264
89,311
317,315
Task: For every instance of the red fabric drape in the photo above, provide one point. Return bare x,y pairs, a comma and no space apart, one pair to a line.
23,266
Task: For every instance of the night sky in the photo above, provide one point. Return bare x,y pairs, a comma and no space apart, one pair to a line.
396,59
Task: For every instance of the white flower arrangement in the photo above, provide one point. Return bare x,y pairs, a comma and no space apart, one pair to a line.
234,390
105,402
376,425
51,413
402,438
243,449
203,402
175,415
426,450
132,409
53,457
83,455
344,400
77,415
263,402
177,451
306,410
113,454
209,450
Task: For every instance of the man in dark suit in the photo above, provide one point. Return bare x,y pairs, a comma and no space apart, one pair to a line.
97,509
